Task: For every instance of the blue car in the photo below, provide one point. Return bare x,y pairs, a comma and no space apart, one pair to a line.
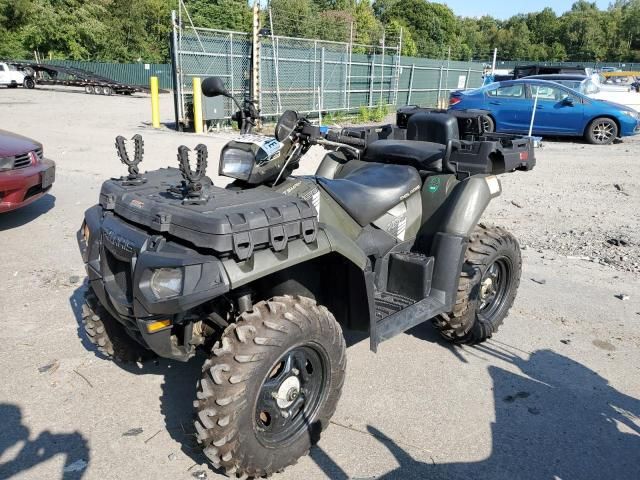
560,111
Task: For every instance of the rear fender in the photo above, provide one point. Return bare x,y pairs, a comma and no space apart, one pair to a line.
446,233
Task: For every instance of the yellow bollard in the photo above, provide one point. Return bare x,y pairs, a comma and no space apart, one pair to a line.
155,103
197,105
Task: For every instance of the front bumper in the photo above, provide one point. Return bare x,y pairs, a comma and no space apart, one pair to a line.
120,259
23,186
629,126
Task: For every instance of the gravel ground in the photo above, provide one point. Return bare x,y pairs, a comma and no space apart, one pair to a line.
555,394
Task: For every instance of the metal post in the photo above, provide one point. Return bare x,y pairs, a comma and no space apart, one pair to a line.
493,63
180,70
321,93
439,86
413,67
274,53
533,113
177,102
155,103
349,68
255,71
373,65
382,67
446,82
398,69
197,105
231,63
315,77
466,81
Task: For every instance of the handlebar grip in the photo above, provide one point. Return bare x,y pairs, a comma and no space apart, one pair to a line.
346,139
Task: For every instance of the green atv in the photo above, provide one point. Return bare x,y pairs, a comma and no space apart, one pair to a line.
264,274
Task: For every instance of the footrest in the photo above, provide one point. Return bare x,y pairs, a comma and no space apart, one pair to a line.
389,303
396,314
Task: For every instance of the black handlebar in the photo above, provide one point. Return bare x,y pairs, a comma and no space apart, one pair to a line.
339,137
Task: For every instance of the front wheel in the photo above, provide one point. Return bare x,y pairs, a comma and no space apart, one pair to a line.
601,131
108,335
270,387
29,83
488,125
488,286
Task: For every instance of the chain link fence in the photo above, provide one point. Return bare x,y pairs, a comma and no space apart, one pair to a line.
308,75
202,52
322,76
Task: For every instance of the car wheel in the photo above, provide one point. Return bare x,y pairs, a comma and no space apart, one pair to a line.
602,131
29,83
488,125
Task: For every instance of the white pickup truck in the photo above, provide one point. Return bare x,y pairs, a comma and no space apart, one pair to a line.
12,77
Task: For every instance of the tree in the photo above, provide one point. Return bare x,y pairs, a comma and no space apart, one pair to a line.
433,25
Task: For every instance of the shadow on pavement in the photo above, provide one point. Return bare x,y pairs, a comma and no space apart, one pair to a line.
24,215
73,446
555,419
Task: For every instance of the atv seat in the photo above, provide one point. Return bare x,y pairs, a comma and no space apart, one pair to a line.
417,154
426,145
370,189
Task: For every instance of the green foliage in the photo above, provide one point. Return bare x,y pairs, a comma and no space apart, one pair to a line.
137,30
375,114
337,118
364,115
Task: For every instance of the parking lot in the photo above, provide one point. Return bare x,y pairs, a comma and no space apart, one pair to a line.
555,394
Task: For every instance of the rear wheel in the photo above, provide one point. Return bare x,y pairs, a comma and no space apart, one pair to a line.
89,89
601,131
488,286
106,333
270,386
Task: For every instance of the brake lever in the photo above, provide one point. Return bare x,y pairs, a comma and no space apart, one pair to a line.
328,143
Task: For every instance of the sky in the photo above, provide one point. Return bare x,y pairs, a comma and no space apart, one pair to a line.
503,9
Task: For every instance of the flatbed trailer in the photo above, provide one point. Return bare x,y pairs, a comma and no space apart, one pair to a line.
47,74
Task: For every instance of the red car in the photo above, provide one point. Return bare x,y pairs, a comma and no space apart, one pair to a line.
25,175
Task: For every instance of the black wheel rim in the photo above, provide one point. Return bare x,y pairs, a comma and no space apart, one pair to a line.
494,287
290,395
603,131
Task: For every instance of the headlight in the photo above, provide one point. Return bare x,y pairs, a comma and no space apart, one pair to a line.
6,163
631,114
236,163
166,282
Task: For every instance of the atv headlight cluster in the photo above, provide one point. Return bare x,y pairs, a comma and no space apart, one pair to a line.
236,163
166,282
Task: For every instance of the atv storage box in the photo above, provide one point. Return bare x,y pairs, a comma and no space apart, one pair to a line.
492,153
229,222
469,123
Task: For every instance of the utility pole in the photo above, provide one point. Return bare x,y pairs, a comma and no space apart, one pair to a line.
255,65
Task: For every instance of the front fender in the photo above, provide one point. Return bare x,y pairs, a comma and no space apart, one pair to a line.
266,262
